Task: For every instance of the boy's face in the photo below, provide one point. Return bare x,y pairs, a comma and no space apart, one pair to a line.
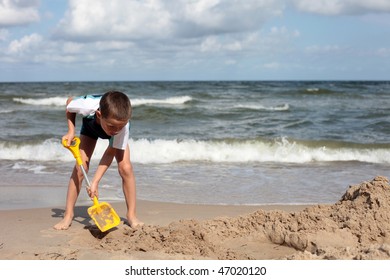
111,126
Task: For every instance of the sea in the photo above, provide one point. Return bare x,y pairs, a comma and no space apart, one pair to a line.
204,142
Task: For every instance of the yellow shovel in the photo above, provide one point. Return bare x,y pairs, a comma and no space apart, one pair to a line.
102,213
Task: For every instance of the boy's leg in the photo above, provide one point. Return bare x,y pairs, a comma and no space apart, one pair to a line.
87,146
125,170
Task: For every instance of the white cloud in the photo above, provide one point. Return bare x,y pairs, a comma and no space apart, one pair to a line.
212,44
99,20
230,62
25,45
93,20
315,49
18,12
283,31
338,7
205,17
160,33
383,52
272,65
4,34
192,36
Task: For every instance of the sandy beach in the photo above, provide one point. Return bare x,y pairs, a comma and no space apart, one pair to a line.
355,227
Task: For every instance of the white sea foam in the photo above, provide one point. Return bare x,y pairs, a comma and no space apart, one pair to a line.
61,101
168,151
166,101
49,101
312,89
46,151
5,111
284,107
35,168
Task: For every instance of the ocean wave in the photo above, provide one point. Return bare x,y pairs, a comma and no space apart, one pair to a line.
178,100
283,107
5,111
316,90
61,101
240,151
49,101
36,169
161,151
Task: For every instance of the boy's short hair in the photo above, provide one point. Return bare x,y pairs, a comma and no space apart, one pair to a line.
116,105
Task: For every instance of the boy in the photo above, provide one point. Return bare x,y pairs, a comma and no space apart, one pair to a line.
105,117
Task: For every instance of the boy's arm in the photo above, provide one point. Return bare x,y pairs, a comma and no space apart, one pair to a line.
104,163
71,121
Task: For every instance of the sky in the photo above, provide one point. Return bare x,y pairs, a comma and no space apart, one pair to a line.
135,40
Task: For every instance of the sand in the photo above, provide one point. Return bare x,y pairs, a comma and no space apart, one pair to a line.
355,227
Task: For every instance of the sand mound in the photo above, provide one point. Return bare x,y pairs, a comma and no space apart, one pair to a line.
356,227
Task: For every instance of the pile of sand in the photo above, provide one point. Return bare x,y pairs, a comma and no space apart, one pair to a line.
356,227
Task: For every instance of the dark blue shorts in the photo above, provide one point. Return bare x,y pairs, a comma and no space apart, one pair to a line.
92,129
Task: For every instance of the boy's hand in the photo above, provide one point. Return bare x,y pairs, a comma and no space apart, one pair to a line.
69,138
93,190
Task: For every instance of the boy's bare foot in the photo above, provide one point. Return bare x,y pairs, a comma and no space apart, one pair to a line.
134,223
64,224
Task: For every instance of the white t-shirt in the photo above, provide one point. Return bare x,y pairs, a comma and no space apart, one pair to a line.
87,105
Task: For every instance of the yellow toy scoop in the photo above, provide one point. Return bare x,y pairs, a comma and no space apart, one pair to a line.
102,213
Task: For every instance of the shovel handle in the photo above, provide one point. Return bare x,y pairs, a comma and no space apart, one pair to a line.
74,148
95,201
